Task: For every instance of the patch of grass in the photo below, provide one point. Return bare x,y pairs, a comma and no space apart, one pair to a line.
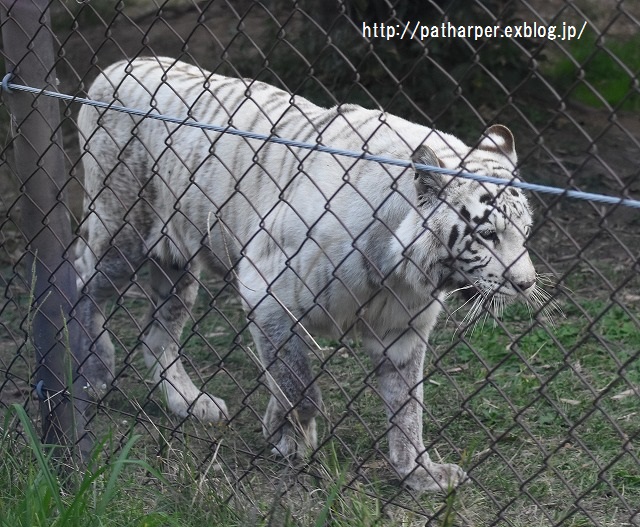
607,71
549,414
127,485
35,493
536,414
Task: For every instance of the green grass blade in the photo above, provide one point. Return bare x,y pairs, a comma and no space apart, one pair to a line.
116,469
43,460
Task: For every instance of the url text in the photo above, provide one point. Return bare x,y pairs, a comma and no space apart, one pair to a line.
422,31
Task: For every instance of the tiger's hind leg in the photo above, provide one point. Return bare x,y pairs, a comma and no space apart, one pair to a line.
174,294
94,292
104,271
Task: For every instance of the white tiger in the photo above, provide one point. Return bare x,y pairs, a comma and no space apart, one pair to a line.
312,242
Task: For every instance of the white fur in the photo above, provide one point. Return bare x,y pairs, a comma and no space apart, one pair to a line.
312,242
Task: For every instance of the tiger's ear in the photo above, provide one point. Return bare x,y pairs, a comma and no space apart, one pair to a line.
428,182
498,138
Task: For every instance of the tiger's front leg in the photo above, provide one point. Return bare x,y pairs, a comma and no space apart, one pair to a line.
399,368
290,420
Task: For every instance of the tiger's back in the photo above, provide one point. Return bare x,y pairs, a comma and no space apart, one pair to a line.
183,187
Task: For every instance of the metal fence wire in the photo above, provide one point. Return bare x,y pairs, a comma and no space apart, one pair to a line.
236,242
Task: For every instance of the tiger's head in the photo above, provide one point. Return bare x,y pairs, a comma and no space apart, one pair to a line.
481,228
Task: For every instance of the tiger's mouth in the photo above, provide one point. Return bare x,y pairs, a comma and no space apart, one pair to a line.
504,292
469,292
484,302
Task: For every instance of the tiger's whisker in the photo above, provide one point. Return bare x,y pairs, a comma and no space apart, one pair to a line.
456,290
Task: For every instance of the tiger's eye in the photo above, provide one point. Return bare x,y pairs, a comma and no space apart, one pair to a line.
489,235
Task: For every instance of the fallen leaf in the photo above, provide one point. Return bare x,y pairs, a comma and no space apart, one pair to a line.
626,393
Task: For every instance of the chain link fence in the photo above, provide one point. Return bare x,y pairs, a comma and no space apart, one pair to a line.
538,403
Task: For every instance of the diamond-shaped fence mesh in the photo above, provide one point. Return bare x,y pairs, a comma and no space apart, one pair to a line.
284,277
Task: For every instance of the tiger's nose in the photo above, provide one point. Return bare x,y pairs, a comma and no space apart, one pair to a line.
525,285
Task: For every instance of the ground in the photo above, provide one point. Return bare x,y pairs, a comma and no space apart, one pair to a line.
544,416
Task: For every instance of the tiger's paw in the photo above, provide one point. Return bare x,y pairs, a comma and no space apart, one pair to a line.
97,386
203,407
286,447
293,442
434,477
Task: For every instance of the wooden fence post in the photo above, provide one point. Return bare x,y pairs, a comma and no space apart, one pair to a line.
45,224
